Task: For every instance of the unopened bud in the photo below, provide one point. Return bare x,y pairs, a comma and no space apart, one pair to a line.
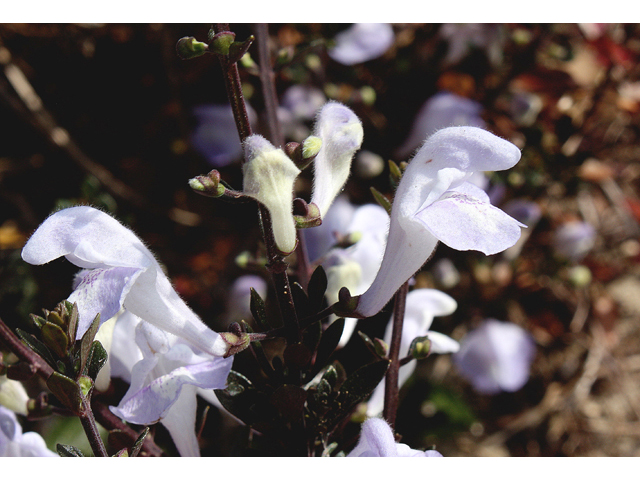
306,215
347,305
237,50
208,185
420,348
221,42
189,47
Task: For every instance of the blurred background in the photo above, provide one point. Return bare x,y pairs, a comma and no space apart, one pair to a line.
108,115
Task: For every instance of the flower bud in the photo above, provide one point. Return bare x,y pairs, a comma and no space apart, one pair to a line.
268,177
341,133
189,47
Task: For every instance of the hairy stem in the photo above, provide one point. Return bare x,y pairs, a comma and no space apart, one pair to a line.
90,427
391,378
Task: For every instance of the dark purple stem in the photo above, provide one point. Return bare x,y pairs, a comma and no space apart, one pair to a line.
391,378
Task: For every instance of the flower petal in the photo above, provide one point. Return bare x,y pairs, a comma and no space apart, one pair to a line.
465,223
180,421
150,404
103,291
88,238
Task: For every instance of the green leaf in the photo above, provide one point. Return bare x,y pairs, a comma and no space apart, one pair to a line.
300,300
37,346
66,390
374,346
137,446
55,338
328,343
86,342
68,451
382,200
356,388
97,358
259,310
72,328
317,288
244,401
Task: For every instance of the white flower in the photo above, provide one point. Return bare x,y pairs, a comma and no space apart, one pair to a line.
422,305
354,267
14,443
496,357
164,373
435,202
120,272
341,133
269,176
362,42
377,440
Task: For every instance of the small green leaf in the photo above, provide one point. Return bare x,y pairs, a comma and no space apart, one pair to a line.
66,390
37,346
394,173
72,328
357,387
382,200
317,288
97,358
328,343
37,320
259,310
374,347
86,342
137,446
300,300
68,451
55,338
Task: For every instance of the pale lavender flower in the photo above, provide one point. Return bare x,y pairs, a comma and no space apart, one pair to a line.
120,272
423,304
341,133
216,136
14,443
496,357
435,202
442,110
377,440
362,42
165,373
573,240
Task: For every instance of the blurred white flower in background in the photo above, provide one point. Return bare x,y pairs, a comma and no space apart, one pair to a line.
362,42
496,357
